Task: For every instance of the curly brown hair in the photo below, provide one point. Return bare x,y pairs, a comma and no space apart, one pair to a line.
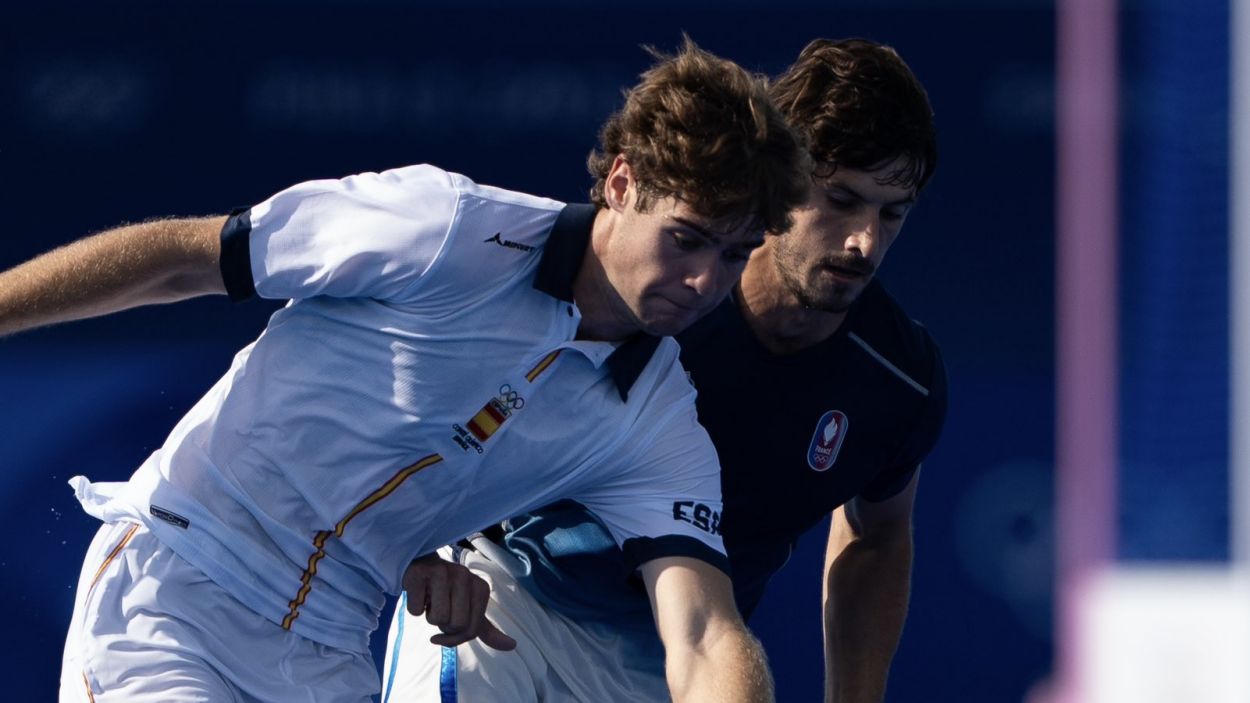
859,105
703,130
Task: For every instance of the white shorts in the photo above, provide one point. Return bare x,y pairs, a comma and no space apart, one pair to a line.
556,660
150,628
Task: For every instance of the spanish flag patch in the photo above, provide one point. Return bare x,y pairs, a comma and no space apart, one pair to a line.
488,419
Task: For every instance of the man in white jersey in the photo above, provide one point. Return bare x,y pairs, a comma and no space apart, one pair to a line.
453,354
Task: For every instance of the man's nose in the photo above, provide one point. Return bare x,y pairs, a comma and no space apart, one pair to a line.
864,235
706,276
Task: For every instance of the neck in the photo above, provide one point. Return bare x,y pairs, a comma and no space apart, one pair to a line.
779,321
601,320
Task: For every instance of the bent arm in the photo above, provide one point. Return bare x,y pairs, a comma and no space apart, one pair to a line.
154,262
866,590
709,655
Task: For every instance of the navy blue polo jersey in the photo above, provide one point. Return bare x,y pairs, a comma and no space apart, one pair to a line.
797,435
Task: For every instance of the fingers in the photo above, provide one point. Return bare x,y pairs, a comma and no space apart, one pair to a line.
492,637
461,609
439,595
415,588
454,600
466,615
476,624
488,634
480,596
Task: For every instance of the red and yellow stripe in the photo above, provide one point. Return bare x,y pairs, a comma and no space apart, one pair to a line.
319,541
87,685
117,549
113,555
542,365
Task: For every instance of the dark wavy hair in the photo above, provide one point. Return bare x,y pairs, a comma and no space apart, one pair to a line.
860,106
703,130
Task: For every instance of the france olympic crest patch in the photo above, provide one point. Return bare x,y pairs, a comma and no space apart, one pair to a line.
827,440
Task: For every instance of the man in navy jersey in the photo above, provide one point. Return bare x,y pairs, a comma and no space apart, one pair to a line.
821,397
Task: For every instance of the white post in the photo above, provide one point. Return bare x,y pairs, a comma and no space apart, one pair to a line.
1086,326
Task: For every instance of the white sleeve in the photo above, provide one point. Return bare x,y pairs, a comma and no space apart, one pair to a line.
667,501
369,235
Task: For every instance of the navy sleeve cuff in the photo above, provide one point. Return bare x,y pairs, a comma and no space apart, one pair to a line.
886,487
236,255
641,550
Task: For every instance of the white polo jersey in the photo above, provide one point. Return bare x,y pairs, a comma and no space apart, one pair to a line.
424,383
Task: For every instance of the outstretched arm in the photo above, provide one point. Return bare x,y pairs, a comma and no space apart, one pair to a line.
709,653
866,590
155,262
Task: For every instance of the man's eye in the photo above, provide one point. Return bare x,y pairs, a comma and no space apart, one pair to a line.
840,203
893,215
685,242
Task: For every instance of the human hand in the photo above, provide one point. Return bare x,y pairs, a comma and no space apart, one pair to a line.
454,600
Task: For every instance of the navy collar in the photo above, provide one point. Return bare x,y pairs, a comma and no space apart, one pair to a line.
561,260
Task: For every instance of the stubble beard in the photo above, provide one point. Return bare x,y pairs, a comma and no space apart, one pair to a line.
838,299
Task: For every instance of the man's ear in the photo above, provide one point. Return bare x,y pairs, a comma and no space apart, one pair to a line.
618,187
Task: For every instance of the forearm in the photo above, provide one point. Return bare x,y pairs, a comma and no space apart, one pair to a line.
867,590
727,665
709,654
154,262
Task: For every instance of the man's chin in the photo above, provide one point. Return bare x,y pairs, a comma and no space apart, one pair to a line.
665,330
669,325
835,302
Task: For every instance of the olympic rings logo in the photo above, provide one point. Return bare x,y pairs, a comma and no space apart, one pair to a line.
510,398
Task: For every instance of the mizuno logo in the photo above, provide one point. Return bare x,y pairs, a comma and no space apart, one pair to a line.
498,239
169,516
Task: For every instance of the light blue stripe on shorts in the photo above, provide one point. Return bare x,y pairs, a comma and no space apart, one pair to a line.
447,668
447,676
402,610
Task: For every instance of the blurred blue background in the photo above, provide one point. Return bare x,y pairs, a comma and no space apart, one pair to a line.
122,111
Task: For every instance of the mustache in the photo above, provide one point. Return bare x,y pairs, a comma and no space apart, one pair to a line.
850,262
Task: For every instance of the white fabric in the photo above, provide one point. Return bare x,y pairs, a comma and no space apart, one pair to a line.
151,628
556,660
267,485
